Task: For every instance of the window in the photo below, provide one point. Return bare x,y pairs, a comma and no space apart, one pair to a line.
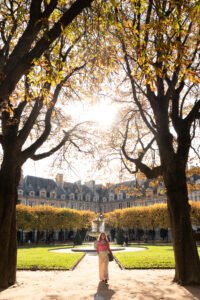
95,199
63,196
43,194
32,193
111,197
120,205
20,192
120,196
87,198
71,196
79,197
53,195
128,204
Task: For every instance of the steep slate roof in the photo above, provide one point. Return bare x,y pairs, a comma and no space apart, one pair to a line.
32,183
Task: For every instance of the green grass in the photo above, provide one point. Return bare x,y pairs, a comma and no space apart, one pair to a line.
155,257
39,258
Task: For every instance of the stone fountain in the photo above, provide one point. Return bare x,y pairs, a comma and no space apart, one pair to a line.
98,226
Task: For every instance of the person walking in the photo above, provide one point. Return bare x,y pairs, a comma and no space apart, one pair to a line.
103,248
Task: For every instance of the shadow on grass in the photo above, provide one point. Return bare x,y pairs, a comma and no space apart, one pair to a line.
103,292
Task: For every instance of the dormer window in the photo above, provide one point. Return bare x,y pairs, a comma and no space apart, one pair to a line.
43,193
20,192
53,195
31,193
63,196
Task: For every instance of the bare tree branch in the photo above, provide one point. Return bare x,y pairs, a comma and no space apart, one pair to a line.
53,150
184,98
126,166
150,173
193,114
134,90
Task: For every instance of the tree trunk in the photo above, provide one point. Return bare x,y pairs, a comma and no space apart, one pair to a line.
187,264
8,237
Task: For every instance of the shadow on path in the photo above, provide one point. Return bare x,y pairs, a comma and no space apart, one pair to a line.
103,292
193,290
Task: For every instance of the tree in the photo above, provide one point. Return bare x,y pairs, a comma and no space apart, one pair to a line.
146,217
49,218
26,117
158,48
27,31
24,219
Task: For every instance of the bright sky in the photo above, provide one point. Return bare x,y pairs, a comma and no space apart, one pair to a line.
103,113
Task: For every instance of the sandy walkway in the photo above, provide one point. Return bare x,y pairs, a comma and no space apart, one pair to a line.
83,283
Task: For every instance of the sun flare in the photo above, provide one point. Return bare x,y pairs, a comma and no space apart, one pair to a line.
102,113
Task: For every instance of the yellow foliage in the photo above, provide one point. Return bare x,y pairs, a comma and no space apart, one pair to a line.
147,216
195,213
139,217
193,170
49,218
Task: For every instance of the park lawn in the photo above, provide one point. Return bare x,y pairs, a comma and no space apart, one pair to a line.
155,257
40,258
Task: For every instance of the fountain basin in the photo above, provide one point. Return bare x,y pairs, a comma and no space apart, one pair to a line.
92,249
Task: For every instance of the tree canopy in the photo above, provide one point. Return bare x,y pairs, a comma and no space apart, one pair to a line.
27,31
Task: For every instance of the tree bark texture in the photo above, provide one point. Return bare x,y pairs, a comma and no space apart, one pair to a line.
8,244
187,264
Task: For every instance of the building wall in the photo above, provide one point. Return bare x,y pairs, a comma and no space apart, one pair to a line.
88,196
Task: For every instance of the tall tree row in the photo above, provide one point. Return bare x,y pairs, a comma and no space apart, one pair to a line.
146,217
52,218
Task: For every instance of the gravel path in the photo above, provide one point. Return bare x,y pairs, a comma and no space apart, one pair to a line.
83,284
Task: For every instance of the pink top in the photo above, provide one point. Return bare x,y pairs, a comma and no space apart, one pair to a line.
103,245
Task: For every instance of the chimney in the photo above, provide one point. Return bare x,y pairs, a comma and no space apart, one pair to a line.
59,180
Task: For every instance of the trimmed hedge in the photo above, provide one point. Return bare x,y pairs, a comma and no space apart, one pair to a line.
147,216
52,218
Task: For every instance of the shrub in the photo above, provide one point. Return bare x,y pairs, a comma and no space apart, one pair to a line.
77,238
120,237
